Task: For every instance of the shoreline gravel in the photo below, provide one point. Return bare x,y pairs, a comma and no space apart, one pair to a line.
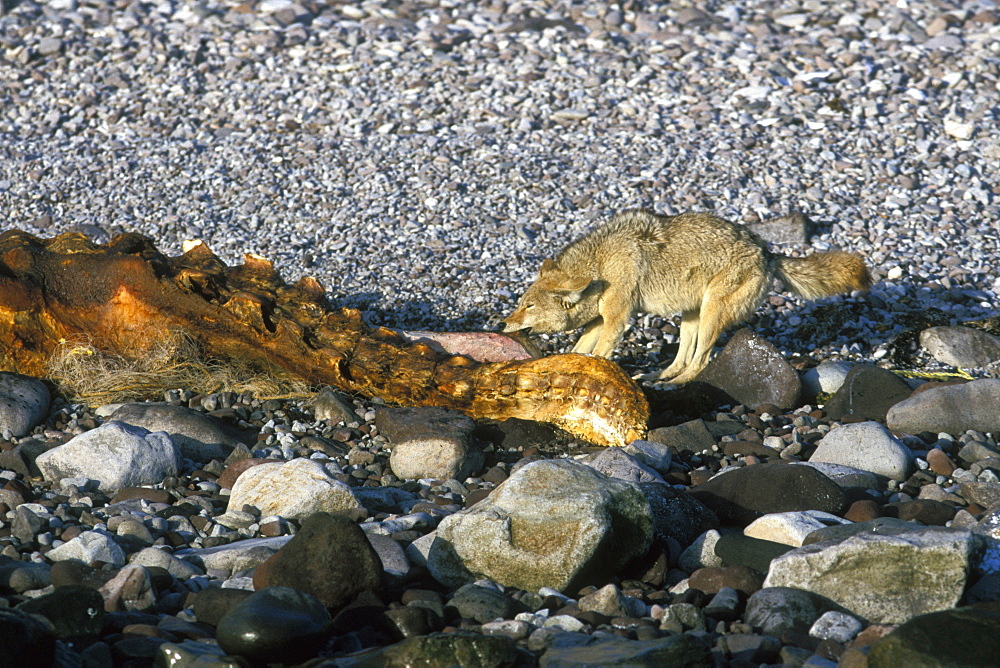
421,158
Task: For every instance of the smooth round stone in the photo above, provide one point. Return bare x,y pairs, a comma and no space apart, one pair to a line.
76,611
25,639
276,624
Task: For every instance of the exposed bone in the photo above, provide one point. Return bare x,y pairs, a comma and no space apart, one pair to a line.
124,296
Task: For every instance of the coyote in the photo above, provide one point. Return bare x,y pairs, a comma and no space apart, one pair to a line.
710,270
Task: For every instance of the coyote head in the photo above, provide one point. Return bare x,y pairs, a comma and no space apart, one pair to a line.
556,302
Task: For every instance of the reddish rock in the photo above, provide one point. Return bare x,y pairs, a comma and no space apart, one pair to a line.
940,463
149,494
863,511
931,513
233,471
741,578
872,634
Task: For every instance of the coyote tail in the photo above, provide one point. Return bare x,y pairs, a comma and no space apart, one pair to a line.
823,274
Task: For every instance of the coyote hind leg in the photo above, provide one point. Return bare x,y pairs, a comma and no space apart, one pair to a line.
723,305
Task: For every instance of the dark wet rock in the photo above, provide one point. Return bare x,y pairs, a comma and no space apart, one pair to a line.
692,436
214,603
867,393
736,549
132,650
848,477
193,653
952,409
409,622
329,557
76,611
962,347
516,434
24,402
678,650
364,611
986,589
751,371
26,640
481,604
742,495
19,576
926,511
676,514
778,610
437,649
71,572
968,636
275,624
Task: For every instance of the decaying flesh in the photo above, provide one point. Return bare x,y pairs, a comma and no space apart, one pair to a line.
124,296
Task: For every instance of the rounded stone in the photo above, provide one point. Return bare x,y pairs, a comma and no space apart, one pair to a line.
276,624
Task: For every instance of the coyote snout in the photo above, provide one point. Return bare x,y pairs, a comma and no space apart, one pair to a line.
711,271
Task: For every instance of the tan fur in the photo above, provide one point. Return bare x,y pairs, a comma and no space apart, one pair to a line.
710,270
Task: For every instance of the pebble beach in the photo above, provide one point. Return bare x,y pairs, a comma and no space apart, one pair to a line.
421,159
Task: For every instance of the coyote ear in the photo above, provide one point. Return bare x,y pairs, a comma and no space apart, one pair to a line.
570,292
548,265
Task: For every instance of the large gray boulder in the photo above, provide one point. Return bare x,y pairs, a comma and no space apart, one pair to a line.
24,403
115,454
882,579
199,437
953,409
556,524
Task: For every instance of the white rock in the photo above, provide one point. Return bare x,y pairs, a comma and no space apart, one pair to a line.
958,129
701,553
294,489
115,454
791,528
838,626
90,546
868,446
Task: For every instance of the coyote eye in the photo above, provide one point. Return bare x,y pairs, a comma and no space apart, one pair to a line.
529,305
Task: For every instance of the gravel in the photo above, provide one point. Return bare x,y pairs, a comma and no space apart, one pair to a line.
421,158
